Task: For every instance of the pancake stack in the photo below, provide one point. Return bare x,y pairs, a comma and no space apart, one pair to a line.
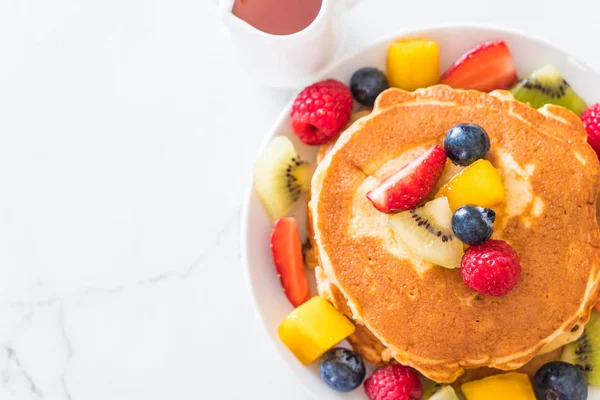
422,315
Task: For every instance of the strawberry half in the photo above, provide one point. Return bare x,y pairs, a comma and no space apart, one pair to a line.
487,67
286,249
409,186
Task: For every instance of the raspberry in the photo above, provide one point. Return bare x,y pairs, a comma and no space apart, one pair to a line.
320,111
492,268
394,382
591,122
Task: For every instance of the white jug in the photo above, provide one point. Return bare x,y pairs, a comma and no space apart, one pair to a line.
288,61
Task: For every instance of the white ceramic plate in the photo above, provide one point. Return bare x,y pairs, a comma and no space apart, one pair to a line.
272,306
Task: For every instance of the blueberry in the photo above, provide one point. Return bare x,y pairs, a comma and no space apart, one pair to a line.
366,84
466,143
473,225
559,380
342,369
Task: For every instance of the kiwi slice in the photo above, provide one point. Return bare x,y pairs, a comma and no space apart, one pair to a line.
547,86
280,177
444,393
427,232
584,351
431,388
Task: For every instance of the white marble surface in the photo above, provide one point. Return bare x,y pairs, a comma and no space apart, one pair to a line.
127,135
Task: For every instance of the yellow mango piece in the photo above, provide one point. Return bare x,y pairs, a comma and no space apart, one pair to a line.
313,328
513,386
479,184
413,64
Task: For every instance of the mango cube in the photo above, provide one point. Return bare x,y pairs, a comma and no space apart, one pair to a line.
479,184
413,64
313,328
513,386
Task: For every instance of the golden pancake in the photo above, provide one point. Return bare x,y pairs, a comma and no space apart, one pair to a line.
424,314
372,350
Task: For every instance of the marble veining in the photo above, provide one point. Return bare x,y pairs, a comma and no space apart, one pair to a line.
50,321
127,138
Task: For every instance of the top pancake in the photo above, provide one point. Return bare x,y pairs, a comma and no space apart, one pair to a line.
425,314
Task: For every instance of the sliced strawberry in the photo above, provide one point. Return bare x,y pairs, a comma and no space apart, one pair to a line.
409,186
487,67
289,263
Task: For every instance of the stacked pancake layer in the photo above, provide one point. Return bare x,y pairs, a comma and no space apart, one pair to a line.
423,315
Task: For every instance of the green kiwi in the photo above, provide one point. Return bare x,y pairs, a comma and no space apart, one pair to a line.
584,351
437,391
427,232
280,177
431,388
547,86
444,393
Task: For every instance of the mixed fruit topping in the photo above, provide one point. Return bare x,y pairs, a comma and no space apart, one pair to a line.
591,122
437,230
487,67
394,382
280,177
366,84
480,183
411,184
413,63
466,143
436,391
473,225
546,85
560,380
451,227
512,385
428,233
313,328
582,352
288,258
320,111
342,369
491,268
